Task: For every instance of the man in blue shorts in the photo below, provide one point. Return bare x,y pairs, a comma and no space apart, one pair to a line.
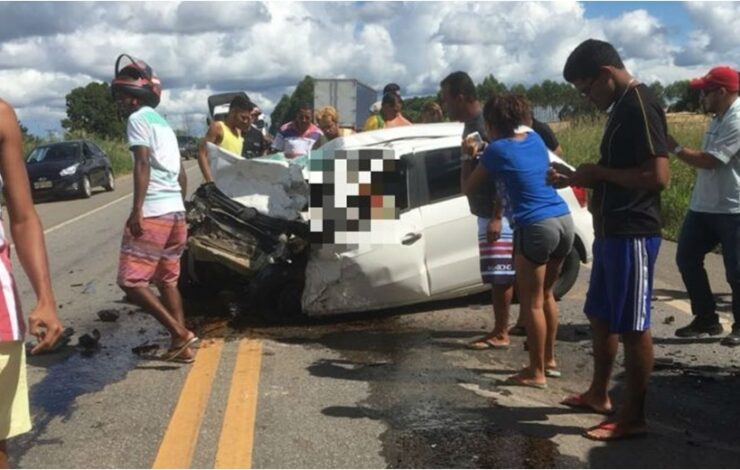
626,183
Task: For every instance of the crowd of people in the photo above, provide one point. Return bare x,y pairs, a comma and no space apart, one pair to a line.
511,185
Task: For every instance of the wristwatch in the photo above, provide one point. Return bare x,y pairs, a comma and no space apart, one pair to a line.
677,149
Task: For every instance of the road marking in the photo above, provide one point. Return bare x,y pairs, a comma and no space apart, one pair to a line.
178,445
96,210
237,434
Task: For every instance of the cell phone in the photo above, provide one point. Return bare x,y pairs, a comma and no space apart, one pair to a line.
475,137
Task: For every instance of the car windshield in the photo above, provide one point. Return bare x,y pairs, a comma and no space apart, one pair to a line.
54,153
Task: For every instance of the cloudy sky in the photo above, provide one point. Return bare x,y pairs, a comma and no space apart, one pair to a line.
47,49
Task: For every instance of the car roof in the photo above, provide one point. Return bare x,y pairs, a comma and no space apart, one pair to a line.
402,139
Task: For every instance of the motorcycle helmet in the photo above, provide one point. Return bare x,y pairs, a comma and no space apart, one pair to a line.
136,79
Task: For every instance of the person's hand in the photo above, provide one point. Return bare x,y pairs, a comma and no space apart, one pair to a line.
134,223
493,231
44,324
470,147
558,175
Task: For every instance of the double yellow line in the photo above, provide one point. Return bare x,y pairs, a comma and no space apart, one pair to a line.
237,431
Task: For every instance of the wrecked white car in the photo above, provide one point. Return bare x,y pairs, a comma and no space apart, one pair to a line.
387,225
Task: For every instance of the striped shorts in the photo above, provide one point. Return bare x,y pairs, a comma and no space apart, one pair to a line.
621,284
497,258
154,257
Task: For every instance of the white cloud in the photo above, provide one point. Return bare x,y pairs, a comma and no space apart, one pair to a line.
198,48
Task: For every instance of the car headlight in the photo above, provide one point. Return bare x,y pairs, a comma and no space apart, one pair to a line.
70,170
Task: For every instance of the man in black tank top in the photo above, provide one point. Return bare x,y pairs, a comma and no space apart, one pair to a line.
626,183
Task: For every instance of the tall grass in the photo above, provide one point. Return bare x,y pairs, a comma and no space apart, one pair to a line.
580,141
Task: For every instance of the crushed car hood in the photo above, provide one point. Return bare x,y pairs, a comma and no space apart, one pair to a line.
272,187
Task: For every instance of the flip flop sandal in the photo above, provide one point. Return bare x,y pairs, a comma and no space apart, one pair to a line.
485,344
173,353
577,402
517,381
612,427
552,372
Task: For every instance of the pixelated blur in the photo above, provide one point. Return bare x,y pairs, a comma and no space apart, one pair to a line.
354,197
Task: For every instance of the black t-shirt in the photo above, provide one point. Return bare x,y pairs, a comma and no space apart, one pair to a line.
482,200
547,135
254,143
635,132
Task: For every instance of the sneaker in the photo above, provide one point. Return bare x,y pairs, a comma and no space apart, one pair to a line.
699,326
733,339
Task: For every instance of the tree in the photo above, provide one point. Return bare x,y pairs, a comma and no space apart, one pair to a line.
489,88
91,109
659,91
681,97
287,108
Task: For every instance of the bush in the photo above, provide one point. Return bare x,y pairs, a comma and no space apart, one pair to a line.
580,141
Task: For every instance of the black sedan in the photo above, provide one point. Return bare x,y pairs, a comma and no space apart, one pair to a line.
70,168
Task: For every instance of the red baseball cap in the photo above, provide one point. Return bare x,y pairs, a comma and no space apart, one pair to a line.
722,76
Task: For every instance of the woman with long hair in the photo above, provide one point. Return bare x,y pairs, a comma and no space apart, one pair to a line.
516,158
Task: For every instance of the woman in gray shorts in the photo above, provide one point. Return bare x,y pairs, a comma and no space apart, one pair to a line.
543,228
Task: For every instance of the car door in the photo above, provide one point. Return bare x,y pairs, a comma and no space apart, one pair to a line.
91,165
389,272
450,231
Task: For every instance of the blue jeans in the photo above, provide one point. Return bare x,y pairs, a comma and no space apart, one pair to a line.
700,234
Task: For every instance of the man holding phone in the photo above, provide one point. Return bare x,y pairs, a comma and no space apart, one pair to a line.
460,100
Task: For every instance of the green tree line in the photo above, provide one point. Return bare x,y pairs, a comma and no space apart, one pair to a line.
92,111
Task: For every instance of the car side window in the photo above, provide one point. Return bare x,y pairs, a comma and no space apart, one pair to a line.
87,151
96,150
442,173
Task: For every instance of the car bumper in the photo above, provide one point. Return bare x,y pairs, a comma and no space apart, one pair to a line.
56,187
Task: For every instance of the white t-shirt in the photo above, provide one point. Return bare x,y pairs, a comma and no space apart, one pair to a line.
147,128
717,191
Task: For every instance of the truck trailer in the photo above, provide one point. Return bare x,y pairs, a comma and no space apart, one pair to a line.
351,98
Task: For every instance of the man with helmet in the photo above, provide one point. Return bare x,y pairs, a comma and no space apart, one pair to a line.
155,233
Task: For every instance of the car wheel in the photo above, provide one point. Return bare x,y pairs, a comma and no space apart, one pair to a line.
568,274
85,187
110,180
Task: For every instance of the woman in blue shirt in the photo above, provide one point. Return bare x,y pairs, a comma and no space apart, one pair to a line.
543,228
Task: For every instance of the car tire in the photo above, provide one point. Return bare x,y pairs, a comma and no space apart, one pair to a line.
110,180
568,274
85,187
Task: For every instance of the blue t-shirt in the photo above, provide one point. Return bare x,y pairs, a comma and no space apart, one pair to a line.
523,165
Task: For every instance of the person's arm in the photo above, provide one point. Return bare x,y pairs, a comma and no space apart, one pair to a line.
652,175
182,178
214,135
471,178
27,233
693,157
141,183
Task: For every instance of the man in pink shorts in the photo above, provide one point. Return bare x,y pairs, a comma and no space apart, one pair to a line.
25,227
155,233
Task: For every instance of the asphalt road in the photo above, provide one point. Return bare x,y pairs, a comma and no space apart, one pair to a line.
391,390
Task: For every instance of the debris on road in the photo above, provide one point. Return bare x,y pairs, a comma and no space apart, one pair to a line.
108,315
669,320
145,349
88,344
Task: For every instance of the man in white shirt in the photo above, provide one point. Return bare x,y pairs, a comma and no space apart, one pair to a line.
714,211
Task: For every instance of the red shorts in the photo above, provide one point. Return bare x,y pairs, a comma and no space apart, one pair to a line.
154,257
